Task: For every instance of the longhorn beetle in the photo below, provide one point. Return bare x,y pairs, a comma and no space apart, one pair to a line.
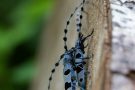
73,59
74,65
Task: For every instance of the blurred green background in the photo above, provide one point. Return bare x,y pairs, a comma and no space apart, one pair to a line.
21,24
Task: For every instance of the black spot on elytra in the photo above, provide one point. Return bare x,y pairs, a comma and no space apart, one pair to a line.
67,72
79,68
67,85
81,79
78,55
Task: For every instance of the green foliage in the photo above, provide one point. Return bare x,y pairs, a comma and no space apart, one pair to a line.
20,26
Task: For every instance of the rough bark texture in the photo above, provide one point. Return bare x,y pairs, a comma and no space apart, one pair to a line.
123,47
100,45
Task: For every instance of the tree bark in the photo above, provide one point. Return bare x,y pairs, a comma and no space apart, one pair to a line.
123,46
99,18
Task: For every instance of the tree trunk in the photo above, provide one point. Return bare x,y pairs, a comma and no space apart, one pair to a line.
99,18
